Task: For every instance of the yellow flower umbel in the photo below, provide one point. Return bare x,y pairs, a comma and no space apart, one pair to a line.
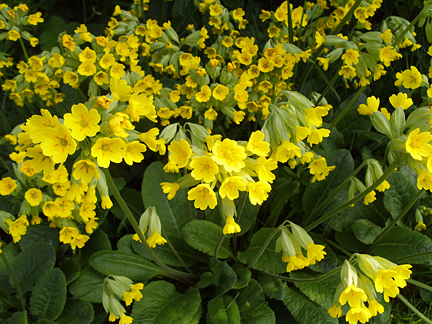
296,242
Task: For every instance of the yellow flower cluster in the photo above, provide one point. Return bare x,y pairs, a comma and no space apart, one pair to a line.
361,283
293,243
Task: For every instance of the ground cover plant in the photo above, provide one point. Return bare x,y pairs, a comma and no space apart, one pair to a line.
193,161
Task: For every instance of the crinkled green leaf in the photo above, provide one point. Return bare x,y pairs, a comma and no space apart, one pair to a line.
203,236
272,287
49,295
252,305
399,194
304,310
223,276
119,263
243,275
402,242
40,233
366,231
31,263
269,261
76,312
173,214
220,313
88,286
162,304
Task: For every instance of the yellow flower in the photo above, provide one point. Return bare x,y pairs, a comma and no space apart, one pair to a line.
353,295
258,191
231,186
119,123
420,226
286,151
351,57
401,100
371,107
424,180
87,68
347,71
410,79
388,54
418,145
68,42
229,154
18,227
256,144
35,19
315,252
264,168
360,313
85,170
82,122
204,94
170,189
296,262
204,168
231,226
316,136
155,238
180,153
335,310
386,36
7,186
210,114
203,196
108,149
149,138
65,207
220,92
370,197
79,241
133,152
120,89
13,35
88,55
58,143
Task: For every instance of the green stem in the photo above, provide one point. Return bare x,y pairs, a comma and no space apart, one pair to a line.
218,245
347,107
397,219
321,207
419,284
321,48
329,85
335,211
175,251
415,310
15,281
266,243
416,19
290,27
324,276
4,163
23,48
421,254
167,270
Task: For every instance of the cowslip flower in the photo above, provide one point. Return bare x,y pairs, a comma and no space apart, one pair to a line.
257,145
231,226
229,154
372,106
180,153
58,143
82,122
204,168
7,186
33,197
417,144
203,196
85,170
107,150
231,186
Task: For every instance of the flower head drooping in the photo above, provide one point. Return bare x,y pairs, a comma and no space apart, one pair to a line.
231,226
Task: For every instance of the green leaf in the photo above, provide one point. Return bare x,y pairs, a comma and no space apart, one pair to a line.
197,316
10,251
166,255
304,310
269,261
161,304
49,295
124,244
402,242
173,214
399,194
243,275
282,197
206,280
119,263
40,233
348,240
246,211
17,318
223,310
321,292
334,142
317,192
132,199
223,276
343,220
252,305
31,263
273,287
76,312
88,286
71,269
366,231
203,236
99,241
